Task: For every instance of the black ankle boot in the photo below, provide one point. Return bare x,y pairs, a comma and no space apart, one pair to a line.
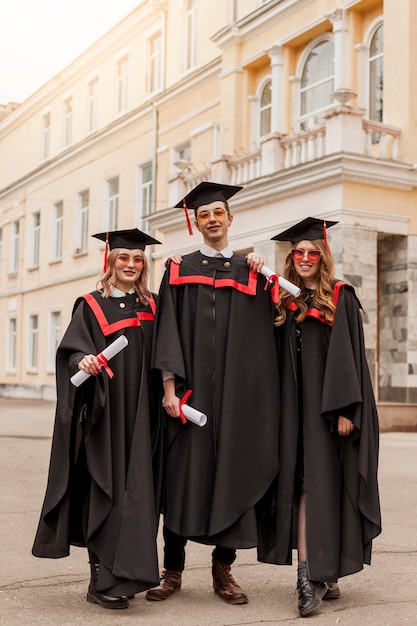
93,596
310,593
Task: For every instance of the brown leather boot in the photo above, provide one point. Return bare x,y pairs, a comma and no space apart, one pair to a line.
225,585
170,582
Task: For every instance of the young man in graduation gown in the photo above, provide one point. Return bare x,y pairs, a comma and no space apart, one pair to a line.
215,340
105,469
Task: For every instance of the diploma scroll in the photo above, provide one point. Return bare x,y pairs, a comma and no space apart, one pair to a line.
283,282
194,416
112,349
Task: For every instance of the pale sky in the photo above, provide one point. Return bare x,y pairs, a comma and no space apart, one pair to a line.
38,38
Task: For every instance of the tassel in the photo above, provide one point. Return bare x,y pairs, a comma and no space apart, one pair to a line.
325,236
106,253
187,217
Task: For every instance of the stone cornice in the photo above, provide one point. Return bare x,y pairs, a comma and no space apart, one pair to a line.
330,170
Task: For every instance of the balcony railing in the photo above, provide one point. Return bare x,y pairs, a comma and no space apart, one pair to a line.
358,135
344,130
305,146
381,140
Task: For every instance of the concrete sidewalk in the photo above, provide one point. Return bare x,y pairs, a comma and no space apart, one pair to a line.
44,591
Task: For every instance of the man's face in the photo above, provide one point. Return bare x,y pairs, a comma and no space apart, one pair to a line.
213,221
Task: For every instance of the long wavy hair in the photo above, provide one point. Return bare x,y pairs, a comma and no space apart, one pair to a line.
323,294
108,278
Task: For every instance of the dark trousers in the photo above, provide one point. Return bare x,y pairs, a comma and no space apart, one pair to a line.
174,552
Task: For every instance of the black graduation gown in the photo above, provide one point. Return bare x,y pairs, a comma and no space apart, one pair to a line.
214,331
112,427
342,500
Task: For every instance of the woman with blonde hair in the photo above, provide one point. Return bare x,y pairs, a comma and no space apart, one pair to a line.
104,480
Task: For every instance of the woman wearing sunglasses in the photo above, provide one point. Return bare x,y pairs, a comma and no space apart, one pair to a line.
104,479
327,490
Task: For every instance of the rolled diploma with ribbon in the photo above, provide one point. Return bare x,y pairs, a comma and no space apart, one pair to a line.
112,349
194,416
283,282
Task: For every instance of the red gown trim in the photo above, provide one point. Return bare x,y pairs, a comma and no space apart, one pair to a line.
176,279
109,328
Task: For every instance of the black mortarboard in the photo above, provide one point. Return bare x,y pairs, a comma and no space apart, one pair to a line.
205,193
309,229
132,238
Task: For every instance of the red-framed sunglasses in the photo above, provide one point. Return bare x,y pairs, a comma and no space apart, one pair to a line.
124,259
312,255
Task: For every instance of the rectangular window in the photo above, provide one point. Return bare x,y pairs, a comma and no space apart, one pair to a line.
32,345
67,133
155,63
11,355
57,224
92,105
121,89
112,203
190,34
54,337
35,236
83,205
145,190
46,136
14,248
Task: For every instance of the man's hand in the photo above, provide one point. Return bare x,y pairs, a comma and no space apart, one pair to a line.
255,261
171,402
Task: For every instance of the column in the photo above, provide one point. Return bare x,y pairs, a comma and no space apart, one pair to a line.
338,20
277,64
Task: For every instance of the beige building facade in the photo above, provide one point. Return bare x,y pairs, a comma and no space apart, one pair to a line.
308,104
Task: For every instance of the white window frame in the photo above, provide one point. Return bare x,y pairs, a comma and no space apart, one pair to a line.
46,136
67,122
190,32
111,207
57,231
92,104
14,247
83,208
379,23
54,337
155,63
11,351
122,68
145,192
32,343
300,120
35,239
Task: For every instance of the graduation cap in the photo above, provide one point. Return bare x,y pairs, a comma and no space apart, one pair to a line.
131,239
205,193
309,229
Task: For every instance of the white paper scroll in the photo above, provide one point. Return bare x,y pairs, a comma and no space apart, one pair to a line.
112,349
194,416
283,282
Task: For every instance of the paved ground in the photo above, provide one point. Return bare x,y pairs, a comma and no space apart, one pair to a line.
43,591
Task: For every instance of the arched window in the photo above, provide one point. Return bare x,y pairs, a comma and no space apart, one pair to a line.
376,75
317,83
265,105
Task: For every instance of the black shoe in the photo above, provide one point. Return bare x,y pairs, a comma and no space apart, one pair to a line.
310,593
107,602
103,600
333,592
